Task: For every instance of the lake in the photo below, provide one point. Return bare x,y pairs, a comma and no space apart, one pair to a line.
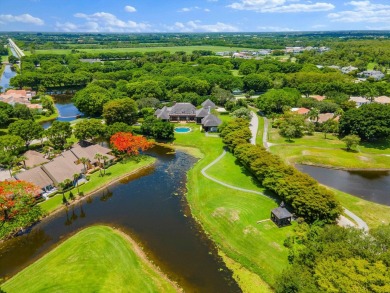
369,185
151,207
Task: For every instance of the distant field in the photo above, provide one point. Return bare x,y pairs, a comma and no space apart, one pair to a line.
187,49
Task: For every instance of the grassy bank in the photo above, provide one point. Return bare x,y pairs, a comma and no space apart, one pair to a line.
51,117
373,214
330,152
187,49
230,216
96,182
97,259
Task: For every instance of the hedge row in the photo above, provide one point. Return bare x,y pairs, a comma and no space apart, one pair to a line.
308,199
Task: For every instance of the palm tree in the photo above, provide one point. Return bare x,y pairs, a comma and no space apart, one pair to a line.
314,114
99,157
84,161
75,178
104,158
61,187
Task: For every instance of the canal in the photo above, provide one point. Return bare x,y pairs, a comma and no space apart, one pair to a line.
6,77
151,207
369,185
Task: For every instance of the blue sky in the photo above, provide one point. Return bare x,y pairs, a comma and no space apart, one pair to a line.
193,16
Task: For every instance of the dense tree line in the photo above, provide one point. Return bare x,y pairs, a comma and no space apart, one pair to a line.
308,199
336,259
370,122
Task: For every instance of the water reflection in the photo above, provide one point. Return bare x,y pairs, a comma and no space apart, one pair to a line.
149,206
370,185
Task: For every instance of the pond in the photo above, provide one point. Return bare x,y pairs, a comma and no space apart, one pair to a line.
369,185
151,207
6,77
67,112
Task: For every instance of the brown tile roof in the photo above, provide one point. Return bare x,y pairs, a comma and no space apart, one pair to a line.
318,98
90,151
63,167
327,116
35,175
34,159
382,100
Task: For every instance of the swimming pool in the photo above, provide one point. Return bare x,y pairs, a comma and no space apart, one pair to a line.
182,129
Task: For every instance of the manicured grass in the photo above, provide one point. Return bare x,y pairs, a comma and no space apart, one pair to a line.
187,49
4,58
371,65
229,216
316,150
372,213
97,259
96,181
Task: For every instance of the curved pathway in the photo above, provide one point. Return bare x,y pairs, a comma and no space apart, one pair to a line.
342,220
254,127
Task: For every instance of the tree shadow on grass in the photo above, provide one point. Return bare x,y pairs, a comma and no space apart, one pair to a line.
255,181
379,145
350,151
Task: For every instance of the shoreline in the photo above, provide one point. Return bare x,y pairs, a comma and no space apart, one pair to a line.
75,201
138,250
342,168
91,193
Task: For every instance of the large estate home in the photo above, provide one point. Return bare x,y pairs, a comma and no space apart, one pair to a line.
186,112
65,166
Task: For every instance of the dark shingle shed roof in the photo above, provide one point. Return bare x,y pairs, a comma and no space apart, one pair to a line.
281,213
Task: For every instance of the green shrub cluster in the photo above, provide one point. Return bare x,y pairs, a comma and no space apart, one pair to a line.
308,199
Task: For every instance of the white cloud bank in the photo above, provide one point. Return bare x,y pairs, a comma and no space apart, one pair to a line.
280,6
23,18
102,22
198,26
363,11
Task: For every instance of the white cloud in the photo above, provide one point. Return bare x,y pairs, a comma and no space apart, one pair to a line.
197,26
188,9
363,11
103,22
318,26
275,29
280,6
24,18
206,10
129,8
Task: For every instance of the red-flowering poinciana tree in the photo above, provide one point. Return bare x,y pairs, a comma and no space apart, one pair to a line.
125,142
16,197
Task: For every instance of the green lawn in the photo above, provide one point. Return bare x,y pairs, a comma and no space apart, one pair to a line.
187,49
229,216
97,259
371,65
96,181
316,150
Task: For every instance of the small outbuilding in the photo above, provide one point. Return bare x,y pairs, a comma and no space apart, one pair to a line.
281,216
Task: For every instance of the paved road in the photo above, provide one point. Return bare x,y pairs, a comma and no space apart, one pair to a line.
359,222
265,133
254,126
